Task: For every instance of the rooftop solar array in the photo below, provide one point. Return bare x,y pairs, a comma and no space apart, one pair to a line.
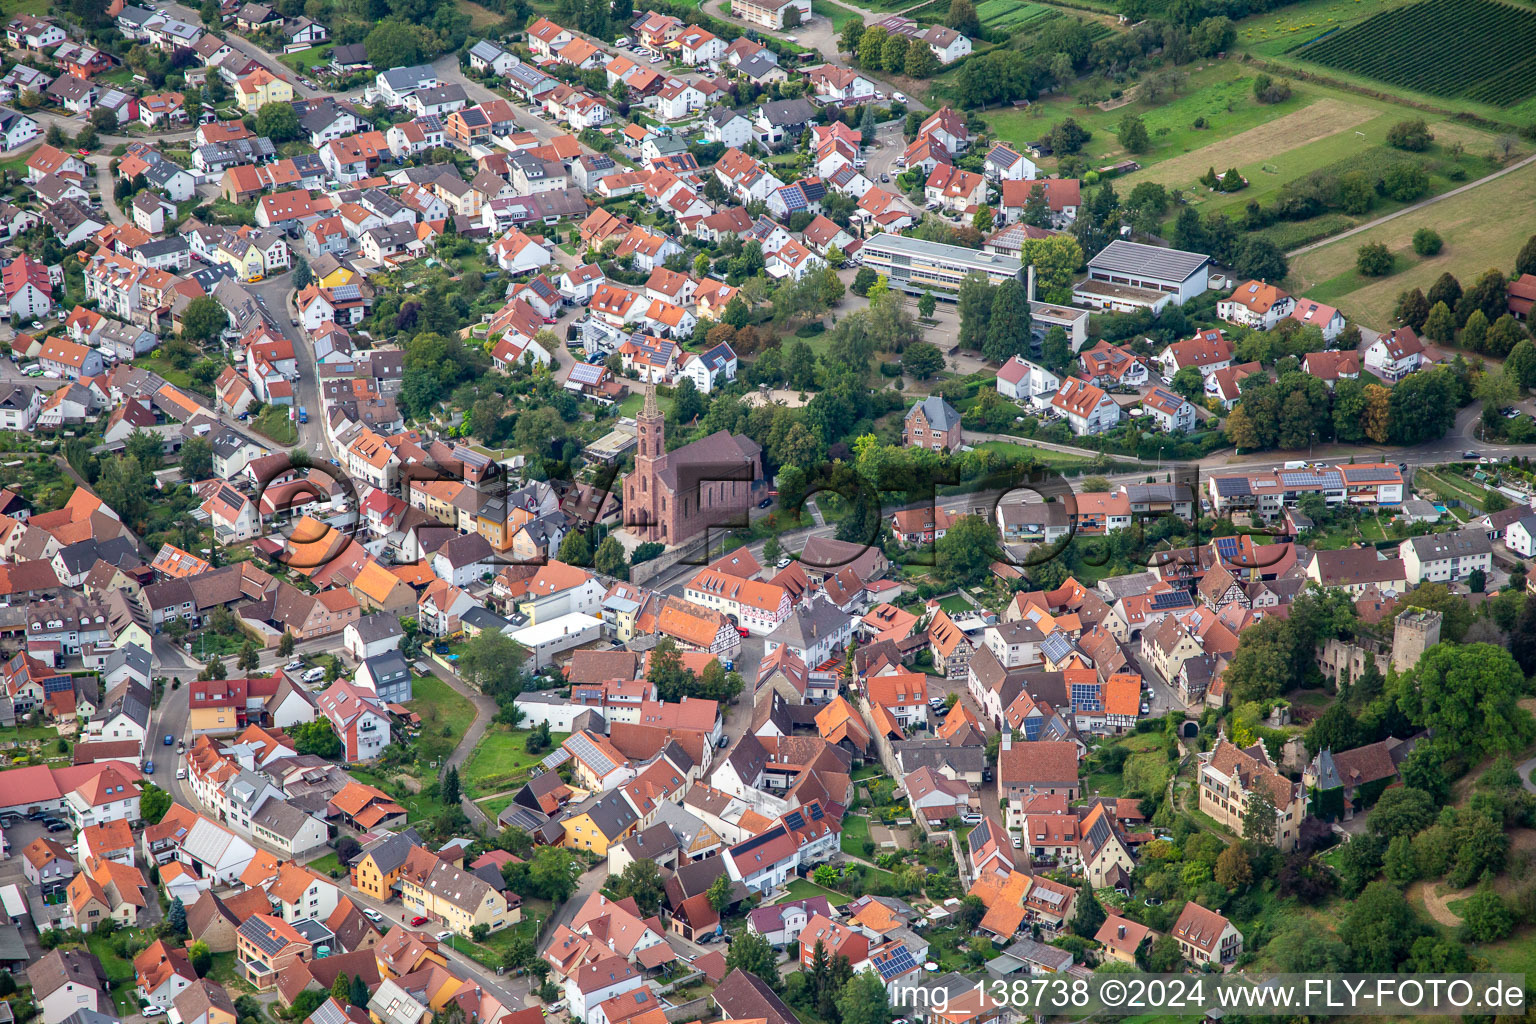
581,746
899,962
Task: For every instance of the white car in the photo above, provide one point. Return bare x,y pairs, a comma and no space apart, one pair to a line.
443,936
314,675
152,1011
181,773
898,97
373,915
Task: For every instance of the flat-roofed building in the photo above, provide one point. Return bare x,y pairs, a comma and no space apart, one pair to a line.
914,265
1127,276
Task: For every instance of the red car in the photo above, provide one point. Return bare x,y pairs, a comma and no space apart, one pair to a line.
417,922
742,630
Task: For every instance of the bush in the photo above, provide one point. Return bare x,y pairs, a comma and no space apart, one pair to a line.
1374,260
1426,242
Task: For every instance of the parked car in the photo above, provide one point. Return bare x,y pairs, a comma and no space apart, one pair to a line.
57,826
181,773
418,921
294,665
314,675
170,740
152,1011
765,503
743,632
373,915
782,563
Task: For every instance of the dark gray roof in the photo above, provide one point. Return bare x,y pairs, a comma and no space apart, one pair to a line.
378,626
1136,258
820,618
1460,544
785,113
280,818
939,413
612,813
390,852
387,667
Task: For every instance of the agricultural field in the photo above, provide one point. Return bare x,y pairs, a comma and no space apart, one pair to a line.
1286,28
1009,15
1482,50
1483,227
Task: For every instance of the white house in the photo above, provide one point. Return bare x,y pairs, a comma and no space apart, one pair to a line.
1086,408
1447,557
1395,354
1024,381
1256,304
1520,536
1171,411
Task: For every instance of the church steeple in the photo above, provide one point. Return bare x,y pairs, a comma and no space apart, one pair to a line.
650,424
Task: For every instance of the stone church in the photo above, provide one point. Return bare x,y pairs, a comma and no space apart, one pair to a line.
673,496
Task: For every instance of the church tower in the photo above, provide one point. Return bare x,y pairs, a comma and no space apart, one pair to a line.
650,423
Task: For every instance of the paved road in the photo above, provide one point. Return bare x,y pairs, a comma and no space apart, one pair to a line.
1413,207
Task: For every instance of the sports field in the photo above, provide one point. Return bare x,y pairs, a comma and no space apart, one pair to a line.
1483,227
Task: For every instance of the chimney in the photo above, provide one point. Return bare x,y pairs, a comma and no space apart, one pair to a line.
1120,932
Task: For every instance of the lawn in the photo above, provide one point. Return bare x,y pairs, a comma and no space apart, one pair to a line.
445,715
632,405
1060,461
119,971
27,733
837,13
159,364
329,865
273,423
305,60
800,889
1449,485
500,762
494,948
418,806
1222,93
855,835
1482,227
954,604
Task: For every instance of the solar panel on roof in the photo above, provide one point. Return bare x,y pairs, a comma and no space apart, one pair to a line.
899,962
794,820
556,758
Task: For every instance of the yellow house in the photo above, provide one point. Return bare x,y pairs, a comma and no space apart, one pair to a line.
436,499
609,821
133,633
457,898
204,1002
336,278
242,257
261,87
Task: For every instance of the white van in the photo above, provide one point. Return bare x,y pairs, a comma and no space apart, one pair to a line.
314,675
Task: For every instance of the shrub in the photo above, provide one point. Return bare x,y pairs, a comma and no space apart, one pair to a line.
1374,260
1426,242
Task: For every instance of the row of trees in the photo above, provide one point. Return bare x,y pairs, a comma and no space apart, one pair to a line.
1297,410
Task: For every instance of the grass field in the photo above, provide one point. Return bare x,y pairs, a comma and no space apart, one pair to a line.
855,834
1010,15
1221,92
445,715
800,889
836,13
499,761
304,60
1300,128
273,423
1483,227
